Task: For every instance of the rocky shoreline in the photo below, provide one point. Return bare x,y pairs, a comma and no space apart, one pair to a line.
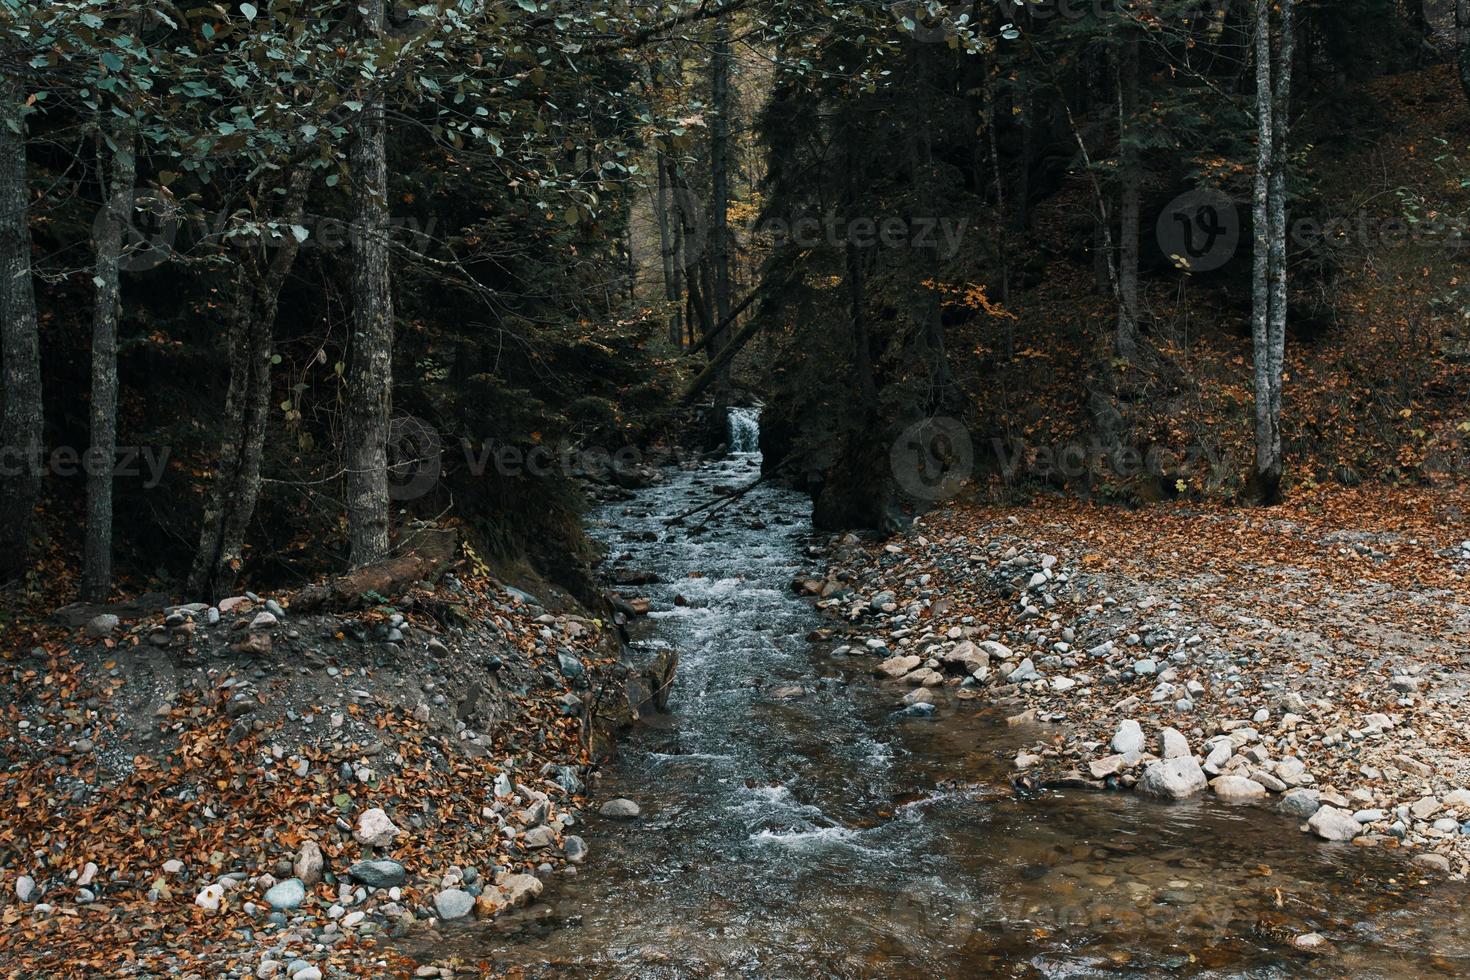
1318,689
238,790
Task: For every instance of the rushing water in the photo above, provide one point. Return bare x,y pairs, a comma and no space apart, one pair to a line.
745,431
825,836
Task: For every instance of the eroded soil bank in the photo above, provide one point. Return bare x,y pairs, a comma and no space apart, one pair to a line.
244,790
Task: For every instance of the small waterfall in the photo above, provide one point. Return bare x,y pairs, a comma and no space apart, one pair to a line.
745,430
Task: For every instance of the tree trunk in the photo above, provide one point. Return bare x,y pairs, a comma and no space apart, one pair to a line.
719,267
120,185
1021,217
370,369
928,309
1268,270
1131,175
235,487
21,423
1280,134
668,258
720,172
676,253
1462,43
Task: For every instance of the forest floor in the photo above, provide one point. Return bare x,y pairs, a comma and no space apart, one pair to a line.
238,791
1312,657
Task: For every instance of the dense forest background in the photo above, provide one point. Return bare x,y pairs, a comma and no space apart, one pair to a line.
309,273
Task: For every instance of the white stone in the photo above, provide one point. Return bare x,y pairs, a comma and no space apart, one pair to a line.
1219,755
1128,738
620,809
375,829
210,897
1237,788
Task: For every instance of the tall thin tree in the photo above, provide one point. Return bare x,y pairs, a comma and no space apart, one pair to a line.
234,489
1131,177
20,348
1269,273
370,359
118,172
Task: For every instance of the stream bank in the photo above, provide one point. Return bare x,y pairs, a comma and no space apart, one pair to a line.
1311,663
248,790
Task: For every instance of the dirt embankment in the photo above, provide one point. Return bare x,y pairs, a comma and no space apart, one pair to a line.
246,790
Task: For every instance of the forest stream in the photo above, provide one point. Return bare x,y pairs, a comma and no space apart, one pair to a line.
830,835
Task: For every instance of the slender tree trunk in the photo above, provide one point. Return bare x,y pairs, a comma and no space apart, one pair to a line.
120,185
927,310
720,172
1131,175
676,247
719,284
1462,43
21,423
1280,134
235,487
370,369
667,256
1000,198
693,266
1268,269
1021,220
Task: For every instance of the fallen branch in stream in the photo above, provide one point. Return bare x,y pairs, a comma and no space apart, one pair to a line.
724,500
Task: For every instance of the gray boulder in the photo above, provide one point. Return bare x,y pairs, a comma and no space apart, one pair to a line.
453,904
1330,823
102,626
1173,779
378,874
1300,803
620,809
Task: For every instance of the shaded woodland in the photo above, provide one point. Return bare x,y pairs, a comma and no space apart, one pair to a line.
277,261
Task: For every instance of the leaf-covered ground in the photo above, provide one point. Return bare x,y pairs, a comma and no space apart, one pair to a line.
162,745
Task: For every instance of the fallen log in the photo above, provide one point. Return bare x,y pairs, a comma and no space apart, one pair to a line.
426,554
